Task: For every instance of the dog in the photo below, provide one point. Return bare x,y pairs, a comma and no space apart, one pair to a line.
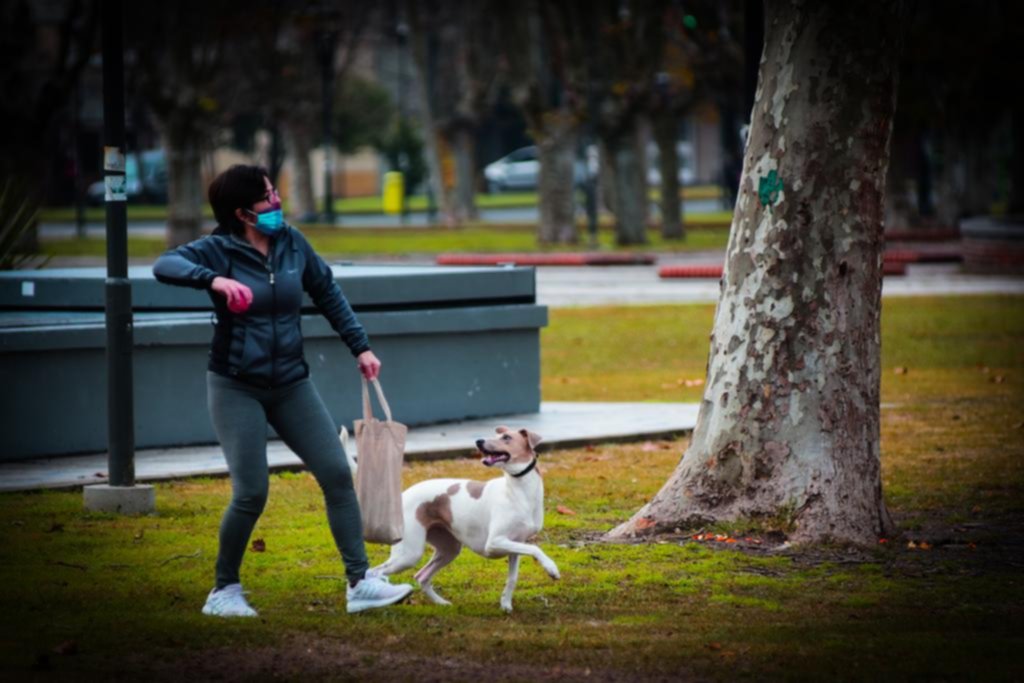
492,518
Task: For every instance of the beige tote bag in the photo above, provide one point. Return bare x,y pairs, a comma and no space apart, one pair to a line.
381,449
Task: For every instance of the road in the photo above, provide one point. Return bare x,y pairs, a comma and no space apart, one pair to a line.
640,285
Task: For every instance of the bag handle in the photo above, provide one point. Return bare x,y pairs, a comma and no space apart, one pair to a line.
367,408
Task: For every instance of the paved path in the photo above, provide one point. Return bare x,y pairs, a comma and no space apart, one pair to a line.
561,424
632,285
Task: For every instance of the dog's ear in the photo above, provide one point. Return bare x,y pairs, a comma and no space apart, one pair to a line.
501,429
531,438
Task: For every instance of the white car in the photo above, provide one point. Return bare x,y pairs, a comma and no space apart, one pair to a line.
517,170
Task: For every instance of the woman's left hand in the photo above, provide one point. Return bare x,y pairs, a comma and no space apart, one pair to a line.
369,365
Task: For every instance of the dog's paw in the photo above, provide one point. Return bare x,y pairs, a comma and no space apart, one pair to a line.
506,606
552,571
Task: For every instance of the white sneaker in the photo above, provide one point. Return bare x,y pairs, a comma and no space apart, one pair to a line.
375,591
229,601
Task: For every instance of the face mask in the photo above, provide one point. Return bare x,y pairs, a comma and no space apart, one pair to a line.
271,221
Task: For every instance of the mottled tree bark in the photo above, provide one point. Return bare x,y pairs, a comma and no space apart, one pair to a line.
789,423
629,179
556,186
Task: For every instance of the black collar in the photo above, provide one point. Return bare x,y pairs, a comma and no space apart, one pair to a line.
527,470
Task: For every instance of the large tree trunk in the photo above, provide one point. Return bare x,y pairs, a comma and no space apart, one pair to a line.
464,139
630,193
666,134
1016,200
300,144
431,148
789,424
184,188
556,185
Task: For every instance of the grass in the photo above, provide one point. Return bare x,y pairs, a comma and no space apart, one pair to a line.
123,593
355,205
335,243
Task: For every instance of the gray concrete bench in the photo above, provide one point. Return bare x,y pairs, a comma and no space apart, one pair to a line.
456,343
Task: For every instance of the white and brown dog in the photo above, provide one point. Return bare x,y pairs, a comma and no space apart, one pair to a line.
493,518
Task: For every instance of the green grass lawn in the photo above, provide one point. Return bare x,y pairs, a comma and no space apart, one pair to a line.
357,205
93,596
335,243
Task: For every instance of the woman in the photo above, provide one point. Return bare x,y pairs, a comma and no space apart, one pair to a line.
255,268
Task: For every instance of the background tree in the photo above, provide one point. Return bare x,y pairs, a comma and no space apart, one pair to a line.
402,146
701,62
454,46
281,64
182,52
789,423
955,139
548,90
43,48
619,46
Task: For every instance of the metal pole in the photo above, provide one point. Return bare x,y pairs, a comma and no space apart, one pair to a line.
120,412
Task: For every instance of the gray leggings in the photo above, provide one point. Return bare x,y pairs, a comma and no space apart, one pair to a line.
240,415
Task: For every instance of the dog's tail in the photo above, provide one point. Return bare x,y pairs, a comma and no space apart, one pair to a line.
343,435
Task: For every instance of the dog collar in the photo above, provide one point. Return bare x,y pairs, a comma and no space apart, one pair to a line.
527,470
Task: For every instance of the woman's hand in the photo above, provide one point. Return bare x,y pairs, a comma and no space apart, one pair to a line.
238,295
369,365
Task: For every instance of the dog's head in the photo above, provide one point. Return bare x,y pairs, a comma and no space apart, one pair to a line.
509,447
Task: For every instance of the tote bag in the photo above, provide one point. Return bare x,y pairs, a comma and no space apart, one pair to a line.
381,449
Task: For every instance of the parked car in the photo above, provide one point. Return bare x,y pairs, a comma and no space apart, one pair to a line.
517,170
520,169
145,179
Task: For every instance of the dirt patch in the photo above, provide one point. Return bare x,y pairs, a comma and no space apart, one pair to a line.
311,658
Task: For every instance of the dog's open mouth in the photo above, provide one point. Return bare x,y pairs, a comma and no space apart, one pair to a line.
491,458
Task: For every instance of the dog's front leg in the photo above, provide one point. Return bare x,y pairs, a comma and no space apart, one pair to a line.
510,585
506,546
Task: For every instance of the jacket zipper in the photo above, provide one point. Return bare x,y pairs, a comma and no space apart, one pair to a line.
273,316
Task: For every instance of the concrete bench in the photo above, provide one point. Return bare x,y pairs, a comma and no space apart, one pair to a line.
456,343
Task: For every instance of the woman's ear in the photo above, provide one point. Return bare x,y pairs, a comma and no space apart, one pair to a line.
240,215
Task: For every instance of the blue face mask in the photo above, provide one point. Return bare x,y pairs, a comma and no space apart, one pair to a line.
270,222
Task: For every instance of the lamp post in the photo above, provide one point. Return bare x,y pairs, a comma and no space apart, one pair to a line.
326,45
122,494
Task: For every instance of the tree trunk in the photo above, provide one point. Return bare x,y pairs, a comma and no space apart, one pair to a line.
556,185
606,178
981,181
184,188
789,425
300,143
1016,199
431,148
630,194
666,133
465,173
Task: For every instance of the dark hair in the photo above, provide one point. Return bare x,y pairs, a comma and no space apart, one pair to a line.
239,187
